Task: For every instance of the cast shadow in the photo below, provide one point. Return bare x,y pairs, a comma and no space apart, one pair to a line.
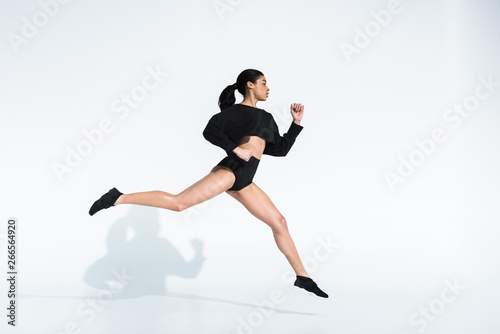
139,261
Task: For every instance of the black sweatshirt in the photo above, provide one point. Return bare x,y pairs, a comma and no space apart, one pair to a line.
227,127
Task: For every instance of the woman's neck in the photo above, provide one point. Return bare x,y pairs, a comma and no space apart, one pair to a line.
250,101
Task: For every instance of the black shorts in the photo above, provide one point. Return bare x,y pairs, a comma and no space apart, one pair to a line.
244,171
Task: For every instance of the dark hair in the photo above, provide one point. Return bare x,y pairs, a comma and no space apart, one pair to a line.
226,98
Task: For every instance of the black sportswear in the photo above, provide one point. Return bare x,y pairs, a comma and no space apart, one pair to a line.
243,171
228,126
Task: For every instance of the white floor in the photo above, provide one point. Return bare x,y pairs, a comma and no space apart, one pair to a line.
292,312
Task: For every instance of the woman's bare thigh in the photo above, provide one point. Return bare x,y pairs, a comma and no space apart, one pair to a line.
256,201
213,184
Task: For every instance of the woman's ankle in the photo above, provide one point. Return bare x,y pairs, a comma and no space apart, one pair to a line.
119,200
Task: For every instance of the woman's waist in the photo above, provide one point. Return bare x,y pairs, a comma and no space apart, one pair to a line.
254,143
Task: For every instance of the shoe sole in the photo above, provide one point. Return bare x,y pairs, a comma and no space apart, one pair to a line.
304,291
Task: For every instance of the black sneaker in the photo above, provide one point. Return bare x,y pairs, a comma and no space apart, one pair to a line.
106,201
308,284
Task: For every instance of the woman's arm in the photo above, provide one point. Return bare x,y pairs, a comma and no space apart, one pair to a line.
281,145
214,133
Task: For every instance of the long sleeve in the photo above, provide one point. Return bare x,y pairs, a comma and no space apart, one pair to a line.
282,144
214,133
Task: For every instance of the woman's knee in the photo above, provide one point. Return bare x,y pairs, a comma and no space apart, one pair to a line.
279,225
170,201
179,204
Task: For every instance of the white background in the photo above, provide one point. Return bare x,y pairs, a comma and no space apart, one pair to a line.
396,246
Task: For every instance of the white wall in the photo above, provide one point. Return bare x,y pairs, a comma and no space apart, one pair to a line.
363,114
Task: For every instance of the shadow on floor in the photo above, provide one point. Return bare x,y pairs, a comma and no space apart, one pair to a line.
139,261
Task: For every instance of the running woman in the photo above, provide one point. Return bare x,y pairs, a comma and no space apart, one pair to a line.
245,133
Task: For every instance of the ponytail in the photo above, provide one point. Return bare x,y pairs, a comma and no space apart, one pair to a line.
226,98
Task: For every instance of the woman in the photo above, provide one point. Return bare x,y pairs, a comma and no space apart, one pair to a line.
245,132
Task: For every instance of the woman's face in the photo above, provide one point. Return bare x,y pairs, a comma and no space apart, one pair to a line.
260,89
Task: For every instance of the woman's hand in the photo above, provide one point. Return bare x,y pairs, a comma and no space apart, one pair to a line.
243,153
297,111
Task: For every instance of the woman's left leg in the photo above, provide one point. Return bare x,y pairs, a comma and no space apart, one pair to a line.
260,205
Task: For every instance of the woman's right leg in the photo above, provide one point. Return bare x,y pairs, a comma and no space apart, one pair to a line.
216,182
258,203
